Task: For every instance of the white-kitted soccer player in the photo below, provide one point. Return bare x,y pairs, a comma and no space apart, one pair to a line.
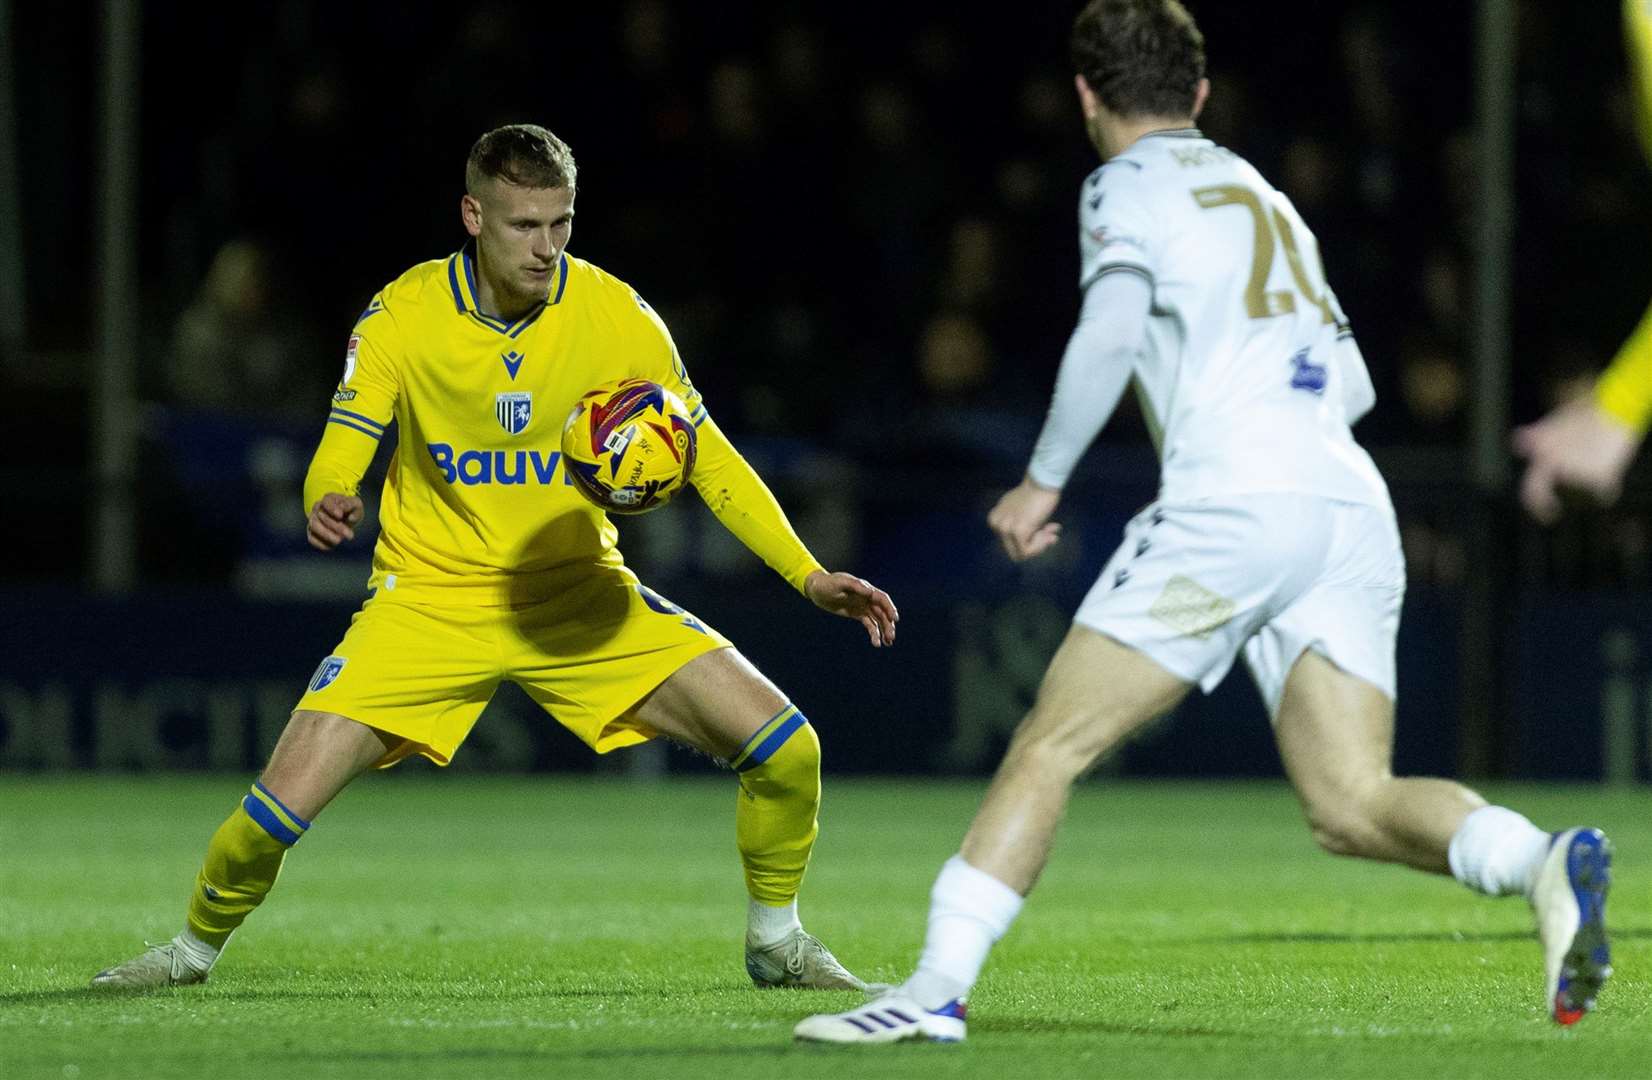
1272,537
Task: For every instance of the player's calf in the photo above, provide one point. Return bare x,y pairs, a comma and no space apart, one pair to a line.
242,862
775,821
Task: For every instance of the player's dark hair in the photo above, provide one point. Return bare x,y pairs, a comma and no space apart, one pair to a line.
522,154
1141,57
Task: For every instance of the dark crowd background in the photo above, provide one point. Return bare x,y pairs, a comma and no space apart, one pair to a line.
857,218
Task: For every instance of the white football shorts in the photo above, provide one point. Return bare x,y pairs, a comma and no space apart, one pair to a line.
1273,574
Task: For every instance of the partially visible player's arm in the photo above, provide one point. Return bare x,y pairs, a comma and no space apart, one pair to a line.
1637,32
363,405
1624,391
1094,372
746,507
1095,369
1589,442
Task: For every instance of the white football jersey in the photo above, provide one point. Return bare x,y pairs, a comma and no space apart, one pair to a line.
1249,375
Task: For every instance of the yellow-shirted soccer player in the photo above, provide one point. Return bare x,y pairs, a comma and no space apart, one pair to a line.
1587,444
490,566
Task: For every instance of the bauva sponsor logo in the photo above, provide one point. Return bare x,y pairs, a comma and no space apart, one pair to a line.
471,467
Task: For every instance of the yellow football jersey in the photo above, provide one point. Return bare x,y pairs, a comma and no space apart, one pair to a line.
1625,389
477,507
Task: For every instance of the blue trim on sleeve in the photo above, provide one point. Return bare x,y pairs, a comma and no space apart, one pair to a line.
368,420
285,809
374,435
266,819
775,741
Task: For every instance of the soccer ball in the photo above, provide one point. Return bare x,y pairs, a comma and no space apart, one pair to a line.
629,445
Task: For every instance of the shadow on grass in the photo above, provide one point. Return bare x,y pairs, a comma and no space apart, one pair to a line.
1448,937
389,994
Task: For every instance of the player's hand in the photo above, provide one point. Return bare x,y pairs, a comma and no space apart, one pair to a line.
333,520
855,598
1576,446
1022,520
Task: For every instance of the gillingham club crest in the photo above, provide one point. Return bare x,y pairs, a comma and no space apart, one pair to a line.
514,410
326,673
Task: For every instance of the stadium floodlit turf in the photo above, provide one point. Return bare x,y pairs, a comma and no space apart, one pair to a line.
454,926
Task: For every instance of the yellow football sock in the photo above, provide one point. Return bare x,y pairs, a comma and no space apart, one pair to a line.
774,818
242,863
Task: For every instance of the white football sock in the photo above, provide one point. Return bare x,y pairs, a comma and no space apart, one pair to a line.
196,953
969,910
1497,851
766,925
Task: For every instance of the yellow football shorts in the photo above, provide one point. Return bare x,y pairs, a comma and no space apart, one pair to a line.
588,656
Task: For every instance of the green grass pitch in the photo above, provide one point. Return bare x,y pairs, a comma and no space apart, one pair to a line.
457,926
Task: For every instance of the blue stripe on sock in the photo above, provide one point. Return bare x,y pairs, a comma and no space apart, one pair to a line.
266,819
285,809
775,741
763,731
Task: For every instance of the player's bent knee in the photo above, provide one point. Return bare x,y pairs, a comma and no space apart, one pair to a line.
1344,830
788,767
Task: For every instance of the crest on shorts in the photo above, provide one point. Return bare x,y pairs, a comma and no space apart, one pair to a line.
326,673
514,410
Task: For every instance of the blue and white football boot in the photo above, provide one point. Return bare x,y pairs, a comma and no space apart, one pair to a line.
893,1017
1569,898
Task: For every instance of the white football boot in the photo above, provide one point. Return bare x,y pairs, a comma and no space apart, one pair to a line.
1569,899
799,960
155,967
894,1017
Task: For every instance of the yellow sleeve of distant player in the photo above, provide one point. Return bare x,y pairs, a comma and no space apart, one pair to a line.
363,405
1625,387
746,507
1637,30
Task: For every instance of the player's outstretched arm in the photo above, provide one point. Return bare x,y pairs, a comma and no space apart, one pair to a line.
854,598
333,519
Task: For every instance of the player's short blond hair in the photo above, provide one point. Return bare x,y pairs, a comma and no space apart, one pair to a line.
526,155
